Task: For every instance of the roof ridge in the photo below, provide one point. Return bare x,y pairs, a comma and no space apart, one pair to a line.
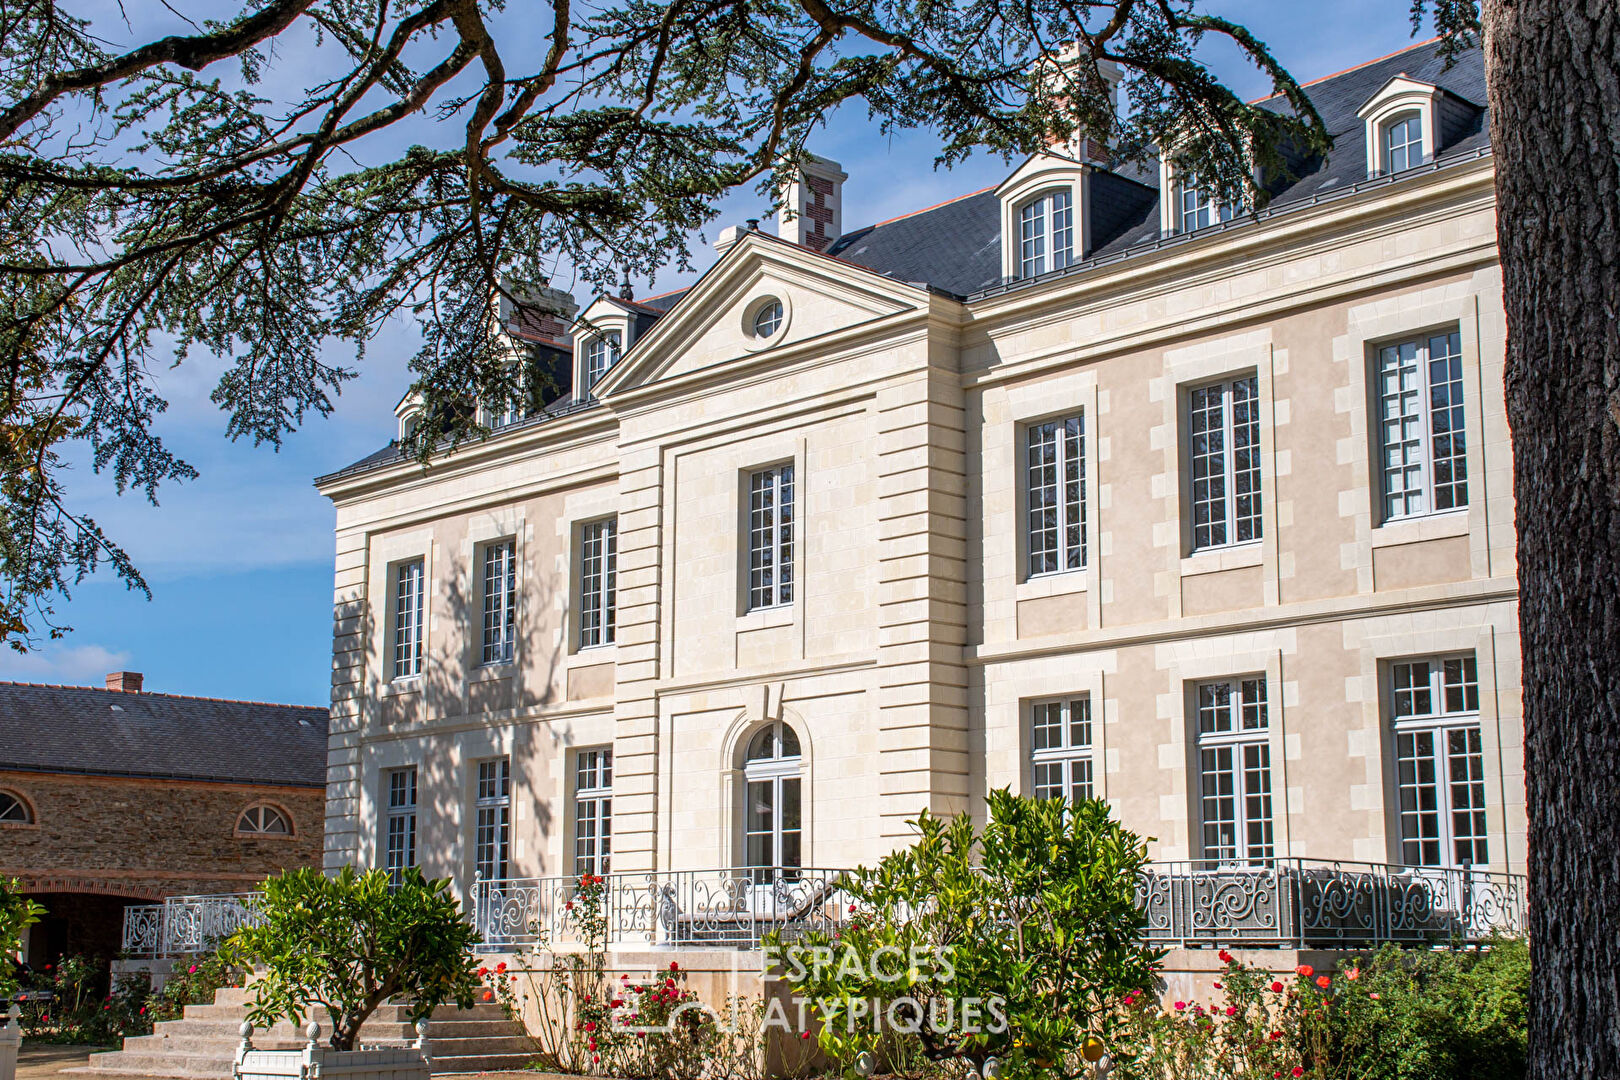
924,210
1354,67
163,694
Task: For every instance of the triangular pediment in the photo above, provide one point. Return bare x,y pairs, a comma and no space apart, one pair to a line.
712,328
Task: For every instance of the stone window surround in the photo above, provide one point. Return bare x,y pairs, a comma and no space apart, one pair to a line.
28,807
1374,325
1185,370
1046,683
752,341
1041,175
1185,665
580,508
1170,196
1378,654
292,825
1398,97
507,523
572,791
764,706
385,554
1031,403
772,452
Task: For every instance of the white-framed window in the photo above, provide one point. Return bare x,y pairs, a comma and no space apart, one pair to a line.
1422,429
593,810
1439,761
492,820
1223,462
1055,495
1046,233
1060,748
399,821
598,581
1199,207
406,636
601,353
512,409
1234,770
773,810
1403,142
14,809
768,319
770,537
500,602
264,820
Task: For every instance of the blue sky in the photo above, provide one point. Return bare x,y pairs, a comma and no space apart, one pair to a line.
239,561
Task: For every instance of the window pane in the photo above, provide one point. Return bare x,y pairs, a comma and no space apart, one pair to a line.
1465,763
1207,428
1219,799
598,570
1041,473
407,636
1447,423
500,602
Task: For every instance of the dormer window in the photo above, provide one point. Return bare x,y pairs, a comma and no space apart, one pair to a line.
1198,207
1403,142
1046,233
600,355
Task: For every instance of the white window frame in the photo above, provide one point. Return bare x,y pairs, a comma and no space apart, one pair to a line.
1414,146
1438,707
602,351
498,577
772,519
598,582
593,810
1236,747
1425,479
15,810
1218,518
1061,742
399,801
1047,488
773,774
406,611
492,819
1046,229
264,819
1197,208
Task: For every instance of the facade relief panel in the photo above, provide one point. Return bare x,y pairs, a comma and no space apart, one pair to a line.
1427,562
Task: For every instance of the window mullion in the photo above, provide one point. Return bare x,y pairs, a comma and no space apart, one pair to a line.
1425,432
1228,461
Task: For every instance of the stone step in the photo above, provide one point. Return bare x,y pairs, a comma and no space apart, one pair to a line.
502,1044
121,1061
481,1063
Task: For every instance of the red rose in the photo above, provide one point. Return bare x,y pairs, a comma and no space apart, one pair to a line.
1298,1071
489,995
1323,981
1304,971
673,966
590,1025
1231,1010
1226,957
1217,986
501,966
1181,1006
1276,988
804,1035
1353,974
483,973
1275,1035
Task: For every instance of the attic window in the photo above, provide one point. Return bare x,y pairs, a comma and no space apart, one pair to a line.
600,355
1046,233
768,319
264,820
14,810
1403,142
765,321
1198,207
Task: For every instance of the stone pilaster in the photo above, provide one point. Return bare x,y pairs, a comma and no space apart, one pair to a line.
349,633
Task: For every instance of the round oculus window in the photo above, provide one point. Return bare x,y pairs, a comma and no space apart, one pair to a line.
768,319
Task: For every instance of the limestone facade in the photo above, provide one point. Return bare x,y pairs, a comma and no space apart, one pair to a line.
917,645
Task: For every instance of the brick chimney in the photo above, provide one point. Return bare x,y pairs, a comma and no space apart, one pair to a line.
128,682
812,213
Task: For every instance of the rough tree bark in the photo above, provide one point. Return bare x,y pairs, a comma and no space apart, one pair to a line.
1554,68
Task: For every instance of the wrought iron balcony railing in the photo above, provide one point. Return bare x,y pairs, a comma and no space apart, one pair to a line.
1274,903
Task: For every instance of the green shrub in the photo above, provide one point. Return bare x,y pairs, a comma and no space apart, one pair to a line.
351,942
86,1006
1398,1014
17,913
1031,924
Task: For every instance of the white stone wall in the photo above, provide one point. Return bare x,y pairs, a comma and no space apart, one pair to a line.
915,642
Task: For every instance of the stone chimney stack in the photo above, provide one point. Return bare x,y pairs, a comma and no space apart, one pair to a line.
128,682
1078,146
812,213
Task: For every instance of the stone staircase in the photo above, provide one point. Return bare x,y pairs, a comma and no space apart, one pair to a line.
202,1044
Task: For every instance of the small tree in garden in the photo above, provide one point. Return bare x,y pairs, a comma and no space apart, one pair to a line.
349,943
17,913
1015,943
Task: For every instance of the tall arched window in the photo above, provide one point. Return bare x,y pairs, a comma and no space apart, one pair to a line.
1046,233
1403,142
773,809
14,809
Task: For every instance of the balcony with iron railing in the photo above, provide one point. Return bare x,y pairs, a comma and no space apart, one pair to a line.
1274,903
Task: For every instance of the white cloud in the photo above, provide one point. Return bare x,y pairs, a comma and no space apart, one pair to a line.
70,665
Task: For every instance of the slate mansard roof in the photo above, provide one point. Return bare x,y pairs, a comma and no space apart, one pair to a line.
955,246
83,730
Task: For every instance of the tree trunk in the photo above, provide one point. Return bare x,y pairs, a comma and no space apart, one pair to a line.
1554,70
